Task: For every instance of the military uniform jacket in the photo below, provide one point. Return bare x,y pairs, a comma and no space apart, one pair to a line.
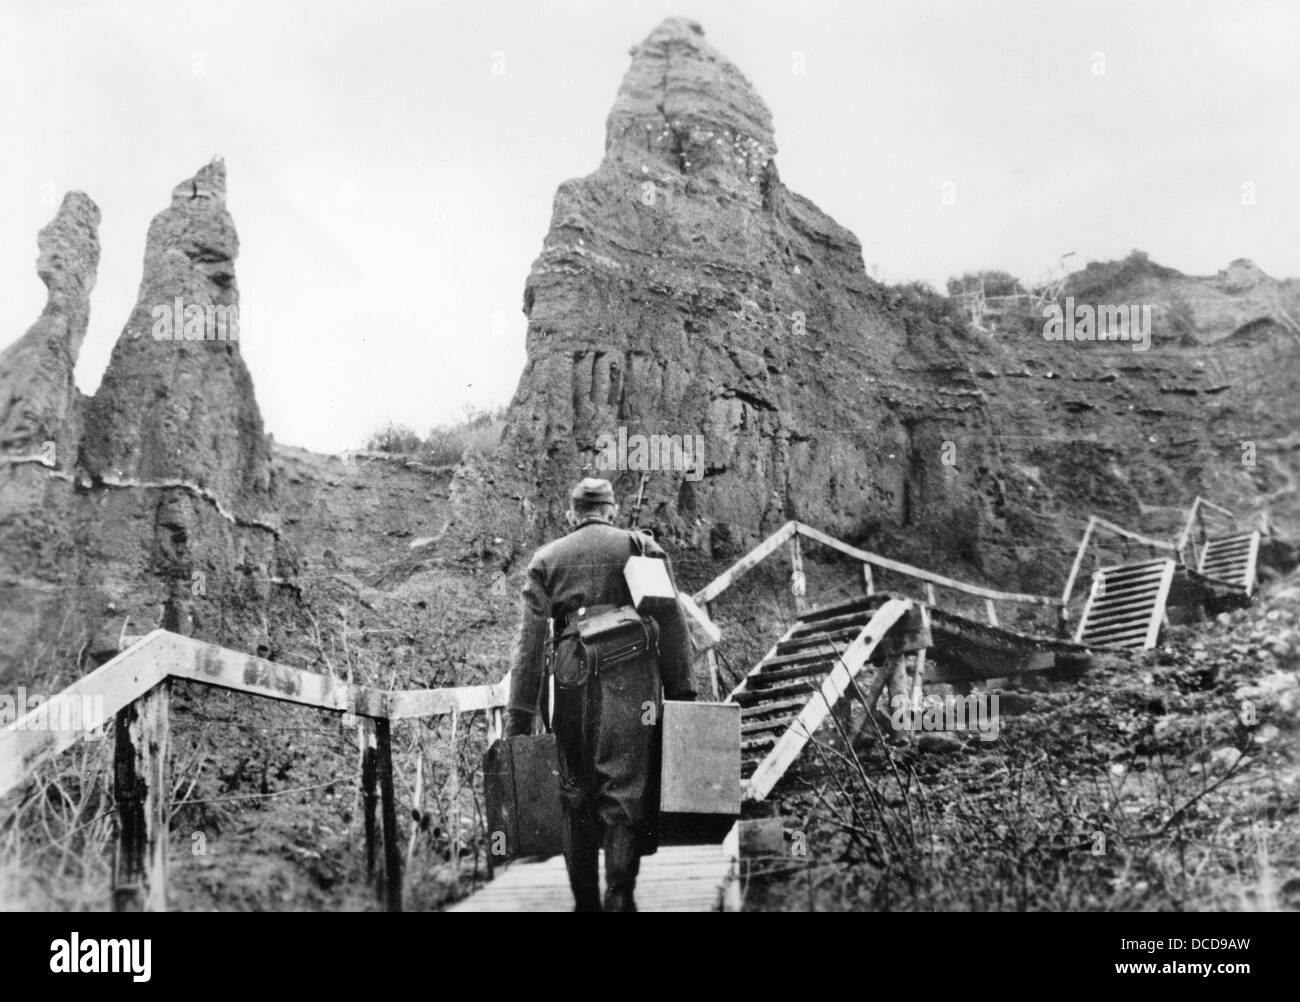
607,737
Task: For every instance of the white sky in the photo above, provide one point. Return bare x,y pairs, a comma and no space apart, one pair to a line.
391,193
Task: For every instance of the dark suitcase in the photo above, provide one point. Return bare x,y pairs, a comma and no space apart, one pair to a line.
521,786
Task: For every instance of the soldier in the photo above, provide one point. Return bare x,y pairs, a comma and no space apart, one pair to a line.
606,724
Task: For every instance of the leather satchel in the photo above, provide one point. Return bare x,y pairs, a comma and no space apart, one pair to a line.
615,637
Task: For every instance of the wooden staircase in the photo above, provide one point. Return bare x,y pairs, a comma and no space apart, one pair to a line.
1126,605
1231,560
790,692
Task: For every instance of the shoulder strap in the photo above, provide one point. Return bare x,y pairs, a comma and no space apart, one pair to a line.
638,542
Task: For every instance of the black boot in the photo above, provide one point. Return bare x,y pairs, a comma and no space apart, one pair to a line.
581,856
622,863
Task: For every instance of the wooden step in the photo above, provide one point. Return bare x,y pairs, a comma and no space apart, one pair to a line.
748,697
767,679
1103,606
1111,587
817,639
771,724
761,741
1111,636
763,709
858,619
835,609
1110,618
808,657
1134,572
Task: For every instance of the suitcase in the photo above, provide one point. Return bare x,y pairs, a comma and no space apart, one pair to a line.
521,787
700,768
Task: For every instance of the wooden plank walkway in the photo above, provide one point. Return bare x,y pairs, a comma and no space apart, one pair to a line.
677,878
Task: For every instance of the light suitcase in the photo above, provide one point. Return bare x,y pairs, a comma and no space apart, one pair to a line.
700,771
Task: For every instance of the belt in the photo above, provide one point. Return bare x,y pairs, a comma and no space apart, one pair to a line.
567,625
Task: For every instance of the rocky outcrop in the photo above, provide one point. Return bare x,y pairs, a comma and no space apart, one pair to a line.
683,290
165,510
176,400
38,397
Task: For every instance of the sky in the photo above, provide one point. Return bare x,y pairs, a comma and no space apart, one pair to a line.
392,165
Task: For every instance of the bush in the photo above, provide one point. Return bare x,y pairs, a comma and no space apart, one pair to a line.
446,444
394,438
996,283
480,431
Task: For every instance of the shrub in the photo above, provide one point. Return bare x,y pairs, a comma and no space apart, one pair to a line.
394,438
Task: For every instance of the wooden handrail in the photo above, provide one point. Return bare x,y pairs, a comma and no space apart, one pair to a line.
773,542
1137,537
1192,513
920,574
744,565
30,740
130,693
1100,523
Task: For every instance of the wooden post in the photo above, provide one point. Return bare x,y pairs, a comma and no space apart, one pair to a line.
141,793
918,678
798,584
992,612
417,801
929,593
388,807
369,784
1078,561
711,659
455,804
897,678
868,580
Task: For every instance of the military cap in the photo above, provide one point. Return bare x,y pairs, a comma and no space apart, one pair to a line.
593,490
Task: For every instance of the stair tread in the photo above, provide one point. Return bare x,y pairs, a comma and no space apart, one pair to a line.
814,639
834,609
777,706
774,724
747,696
859,619
767,679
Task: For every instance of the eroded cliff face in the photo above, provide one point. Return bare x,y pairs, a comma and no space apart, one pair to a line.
1210,406
38,398
183,405
684,290
161,507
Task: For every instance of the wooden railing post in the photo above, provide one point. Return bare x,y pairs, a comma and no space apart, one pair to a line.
798,583
369,788
711,659
454,820
141,794
1078,561
867,579
388,807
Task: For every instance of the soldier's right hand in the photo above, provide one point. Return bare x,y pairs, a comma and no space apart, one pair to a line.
519,723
